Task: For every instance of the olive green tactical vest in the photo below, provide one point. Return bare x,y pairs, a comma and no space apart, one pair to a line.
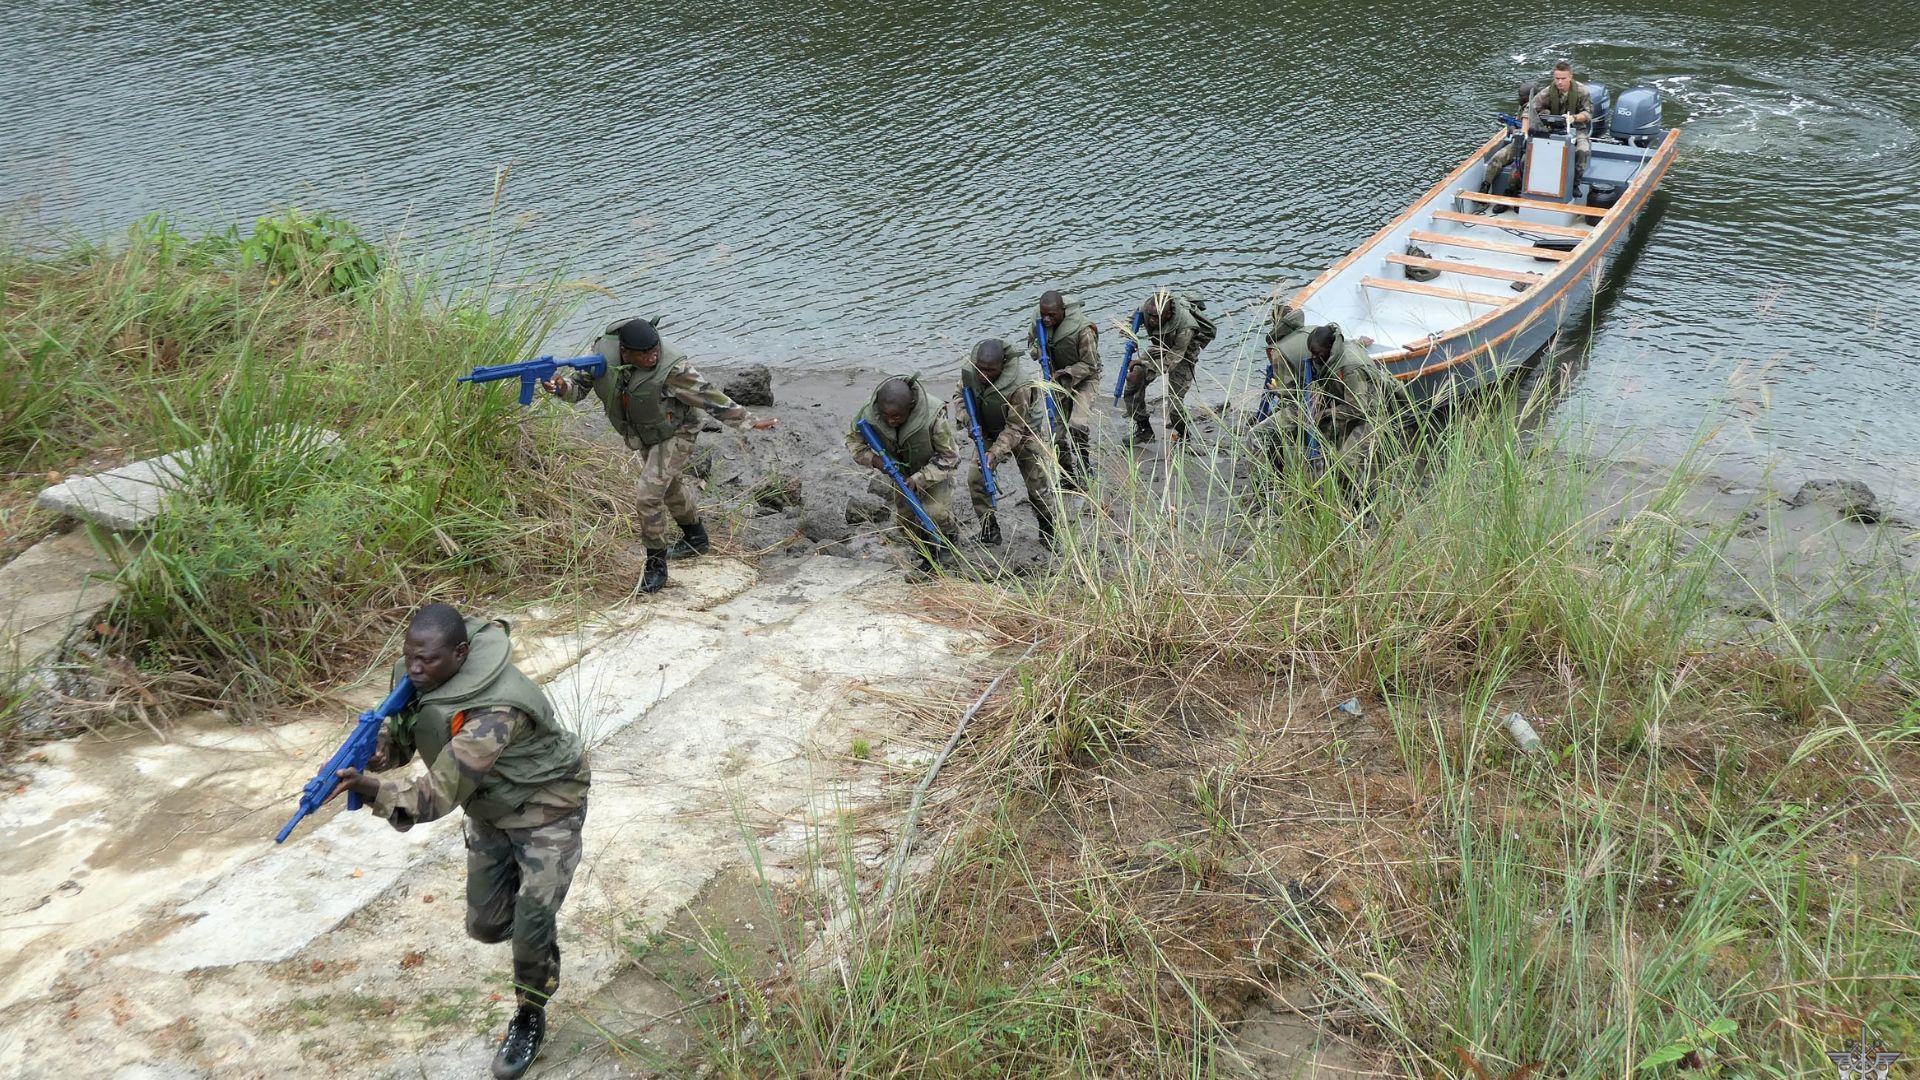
637,403
1182,318
1351,357
1063,342
1288,338
1292,350
911,445
993,399
488,679
1576,99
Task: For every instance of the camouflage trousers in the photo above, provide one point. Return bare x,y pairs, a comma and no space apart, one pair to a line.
516,881
662,495
937,501
1034,463
1076,404
1179,378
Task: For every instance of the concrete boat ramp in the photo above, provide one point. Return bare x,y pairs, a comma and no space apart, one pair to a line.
149,927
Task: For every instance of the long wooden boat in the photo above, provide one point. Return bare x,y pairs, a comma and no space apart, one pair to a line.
1463,287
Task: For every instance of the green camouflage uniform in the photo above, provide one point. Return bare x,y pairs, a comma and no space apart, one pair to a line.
1504,156
1284,431
1073,347
1353,398
923,448
1286,354
658,413
1171,350
492,748
1008,406
1551,102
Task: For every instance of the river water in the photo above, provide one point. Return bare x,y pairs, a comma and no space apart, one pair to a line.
851,184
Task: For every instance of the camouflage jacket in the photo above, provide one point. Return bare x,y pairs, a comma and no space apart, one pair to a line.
685,384
1355,388
922,447
1073,348
1169,343
1551,102
452,778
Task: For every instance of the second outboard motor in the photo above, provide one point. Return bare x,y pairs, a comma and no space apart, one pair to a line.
1636,117
1601,104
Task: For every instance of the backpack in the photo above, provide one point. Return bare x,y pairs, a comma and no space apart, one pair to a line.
1204,329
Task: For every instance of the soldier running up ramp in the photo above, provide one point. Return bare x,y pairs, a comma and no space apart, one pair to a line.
653,397
492,748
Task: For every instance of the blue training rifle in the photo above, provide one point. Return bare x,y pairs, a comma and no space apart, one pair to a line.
353,754
873,440
1306,406
980,446
1126,357
1046,372
535,370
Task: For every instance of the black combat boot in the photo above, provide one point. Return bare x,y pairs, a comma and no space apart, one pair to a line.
1046,530
655,577
525,1032
990,530
1142,431
693,541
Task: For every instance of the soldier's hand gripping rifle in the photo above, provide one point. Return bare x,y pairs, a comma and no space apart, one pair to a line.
534,371
979,446
899,481
1046,372
1126,356
353,754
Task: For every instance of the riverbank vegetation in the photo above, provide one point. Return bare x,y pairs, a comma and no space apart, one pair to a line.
288,554
1258,788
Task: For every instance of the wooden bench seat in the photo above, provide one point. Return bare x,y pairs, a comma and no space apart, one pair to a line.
1452,240
1532,204
1437,291
1577,232
1452,266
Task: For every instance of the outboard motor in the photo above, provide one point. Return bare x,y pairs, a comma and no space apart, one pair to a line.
1636,118
1602,101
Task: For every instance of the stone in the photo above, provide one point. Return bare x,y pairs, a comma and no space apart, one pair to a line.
865,508
824,526
53,587
751,386
778,492
126,499
1851,499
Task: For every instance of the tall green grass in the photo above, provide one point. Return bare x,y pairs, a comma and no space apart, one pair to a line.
1710,867
285,556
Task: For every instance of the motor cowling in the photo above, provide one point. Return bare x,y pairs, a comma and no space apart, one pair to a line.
1602,104
1636,116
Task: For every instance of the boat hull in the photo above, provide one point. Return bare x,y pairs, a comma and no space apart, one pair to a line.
1483,350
